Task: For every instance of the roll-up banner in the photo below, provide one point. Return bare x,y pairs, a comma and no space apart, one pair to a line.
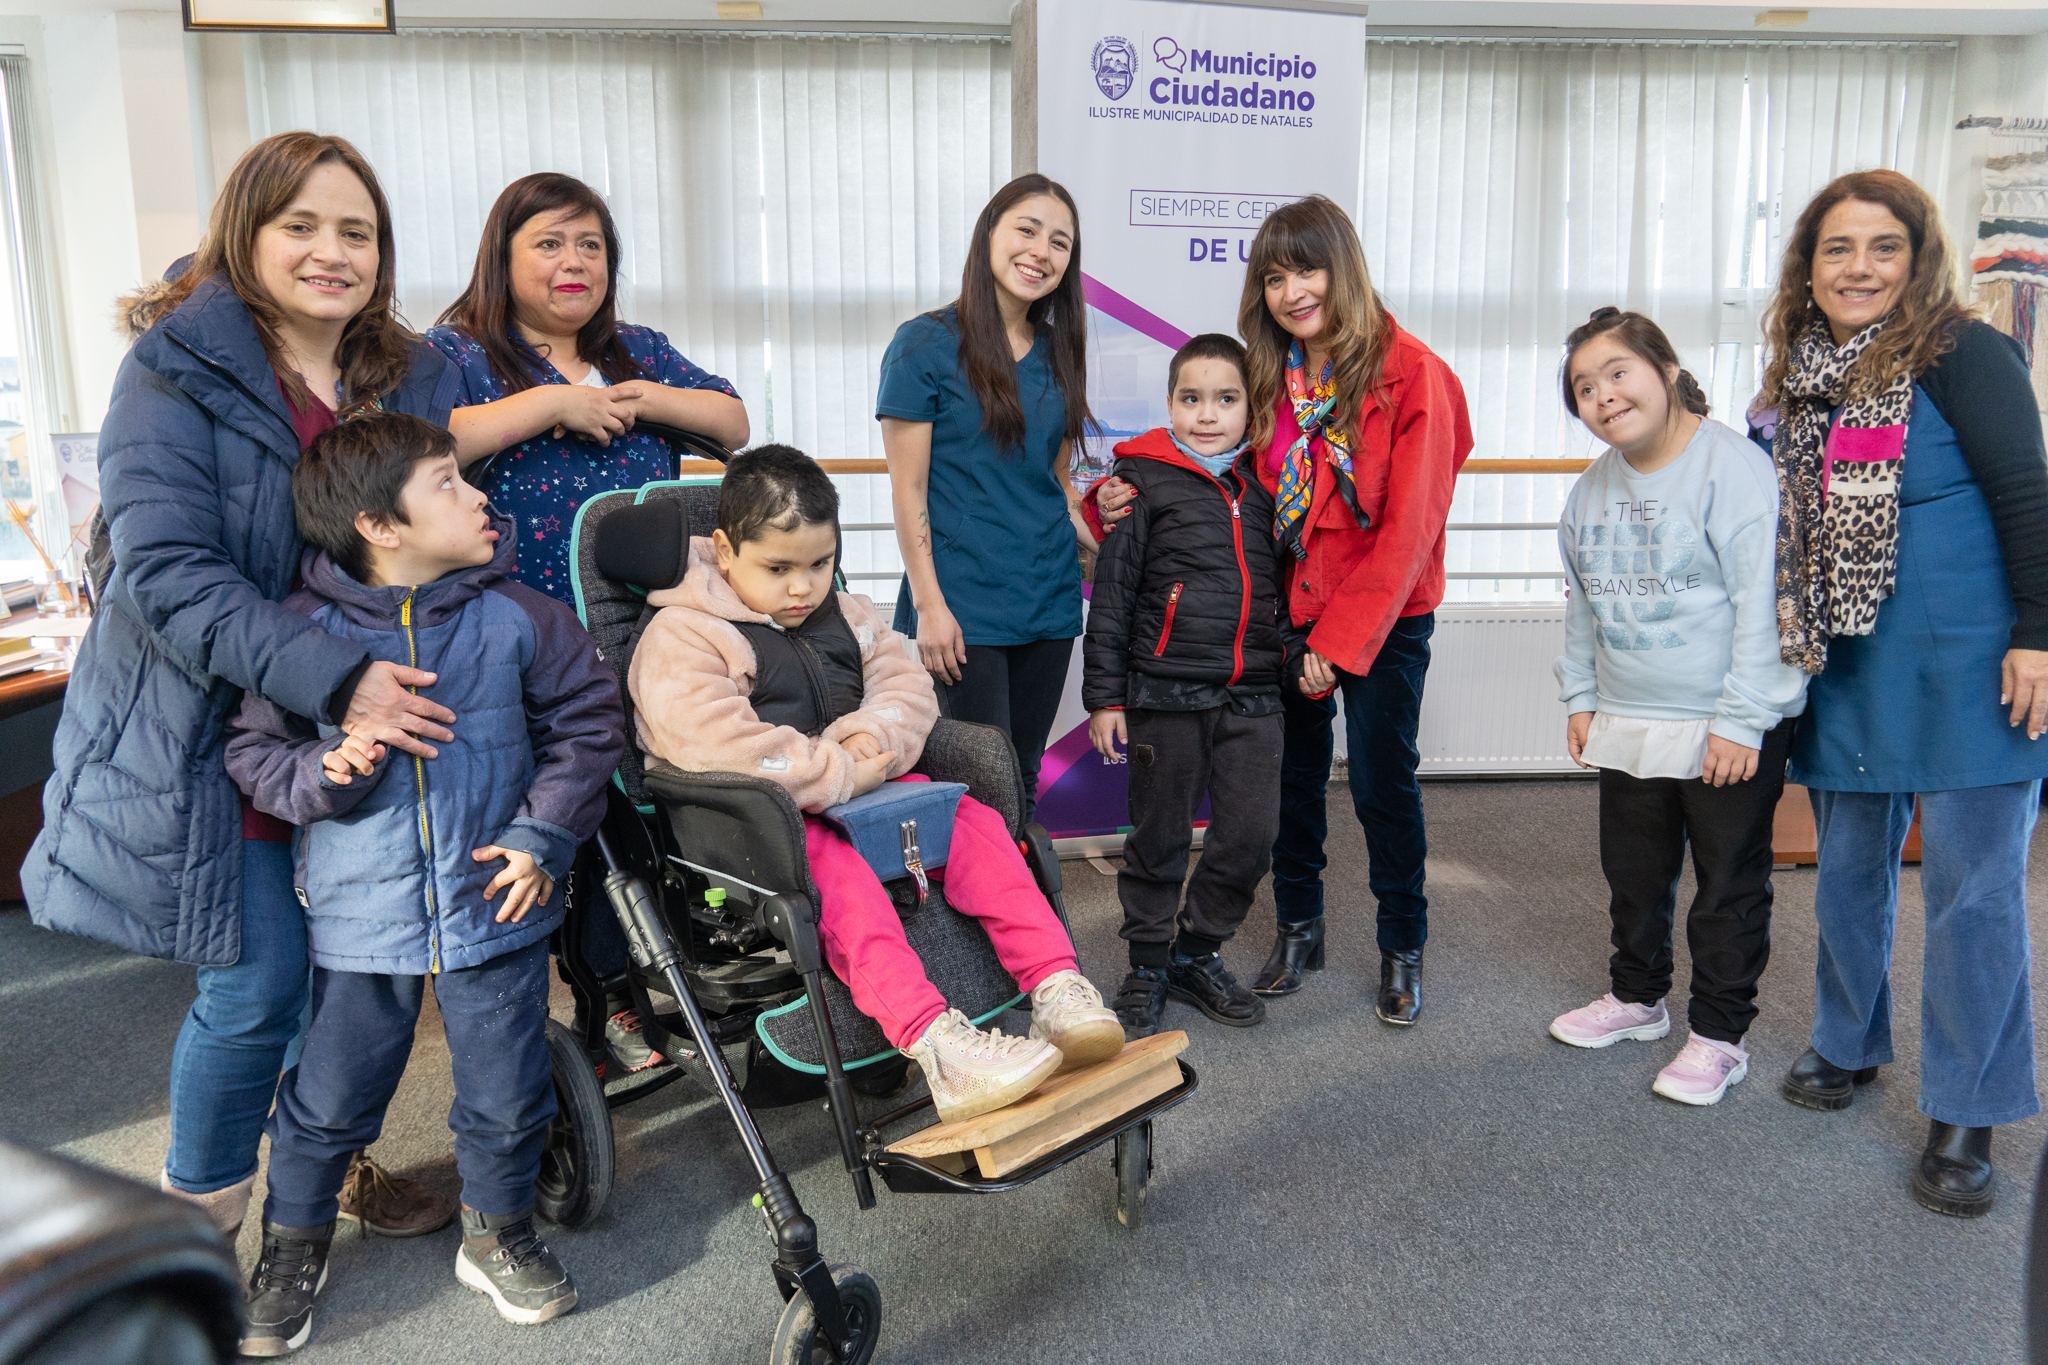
1177,127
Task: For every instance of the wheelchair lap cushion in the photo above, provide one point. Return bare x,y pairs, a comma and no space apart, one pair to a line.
958,960
874,824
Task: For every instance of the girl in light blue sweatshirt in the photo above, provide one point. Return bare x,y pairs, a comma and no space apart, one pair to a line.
1675,692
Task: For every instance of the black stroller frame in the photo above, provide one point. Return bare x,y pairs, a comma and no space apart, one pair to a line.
706,875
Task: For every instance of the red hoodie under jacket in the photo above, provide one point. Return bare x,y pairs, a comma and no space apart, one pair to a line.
1405,455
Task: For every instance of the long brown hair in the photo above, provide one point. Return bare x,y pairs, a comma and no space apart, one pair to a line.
1927,311
1647,340
986,360
1312,234
377,348
483,309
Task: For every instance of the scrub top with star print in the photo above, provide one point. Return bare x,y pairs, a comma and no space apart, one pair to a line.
542,481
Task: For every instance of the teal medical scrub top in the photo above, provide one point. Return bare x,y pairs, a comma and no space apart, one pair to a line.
1001,540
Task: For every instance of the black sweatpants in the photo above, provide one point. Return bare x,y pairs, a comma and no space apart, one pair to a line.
1645,824
1175,758
1015,688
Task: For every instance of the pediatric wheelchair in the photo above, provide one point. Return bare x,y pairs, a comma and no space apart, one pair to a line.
706,873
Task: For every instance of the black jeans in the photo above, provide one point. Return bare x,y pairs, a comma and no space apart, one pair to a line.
1382,711
1175,758
1015,688
1645,824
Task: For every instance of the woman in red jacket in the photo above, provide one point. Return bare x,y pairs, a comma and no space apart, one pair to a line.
1363,429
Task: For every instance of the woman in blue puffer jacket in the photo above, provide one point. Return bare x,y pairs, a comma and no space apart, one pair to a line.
282,325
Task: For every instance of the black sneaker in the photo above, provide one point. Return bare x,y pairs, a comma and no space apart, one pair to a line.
622,1034
503,1256
1141,1002
288,1276
1204,983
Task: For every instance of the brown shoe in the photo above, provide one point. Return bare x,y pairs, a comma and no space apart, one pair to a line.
391,1205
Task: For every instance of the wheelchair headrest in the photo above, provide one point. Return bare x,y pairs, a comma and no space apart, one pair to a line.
646,545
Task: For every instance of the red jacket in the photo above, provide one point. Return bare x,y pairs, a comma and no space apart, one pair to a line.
1405,455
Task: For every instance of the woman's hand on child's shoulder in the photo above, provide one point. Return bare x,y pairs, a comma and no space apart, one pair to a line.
1113,499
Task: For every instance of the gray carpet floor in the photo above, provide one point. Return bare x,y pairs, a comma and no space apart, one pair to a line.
1337,1190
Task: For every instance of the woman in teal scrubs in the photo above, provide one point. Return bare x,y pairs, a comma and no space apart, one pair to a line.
981,403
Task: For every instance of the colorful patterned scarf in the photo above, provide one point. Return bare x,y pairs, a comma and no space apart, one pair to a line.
1838,495
1297,471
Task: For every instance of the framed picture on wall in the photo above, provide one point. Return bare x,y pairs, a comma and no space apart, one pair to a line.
290,16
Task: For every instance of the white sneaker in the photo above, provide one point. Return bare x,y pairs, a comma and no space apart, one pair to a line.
1068,1012
1702,1071
1608,1021
971,1072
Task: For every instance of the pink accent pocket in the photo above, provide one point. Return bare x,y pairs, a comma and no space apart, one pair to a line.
1860,445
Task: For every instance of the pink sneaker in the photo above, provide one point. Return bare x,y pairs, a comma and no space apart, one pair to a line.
1702,1071
1608,1021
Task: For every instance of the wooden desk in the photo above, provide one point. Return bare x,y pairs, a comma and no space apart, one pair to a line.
29,706
1794,840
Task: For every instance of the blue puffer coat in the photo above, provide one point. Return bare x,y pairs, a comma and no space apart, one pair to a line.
142,827
383,864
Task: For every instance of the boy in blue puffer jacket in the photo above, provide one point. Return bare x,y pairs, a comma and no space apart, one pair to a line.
400,862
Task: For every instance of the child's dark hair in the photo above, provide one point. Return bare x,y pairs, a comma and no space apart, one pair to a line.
776,487
1207,346
1647,340
360,466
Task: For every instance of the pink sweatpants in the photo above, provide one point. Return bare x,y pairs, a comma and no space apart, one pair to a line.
985,877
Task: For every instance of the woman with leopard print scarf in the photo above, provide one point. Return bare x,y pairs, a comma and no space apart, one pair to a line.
1913,585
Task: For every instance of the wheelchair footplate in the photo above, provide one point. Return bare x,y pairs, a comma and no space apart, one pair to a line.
1069,1115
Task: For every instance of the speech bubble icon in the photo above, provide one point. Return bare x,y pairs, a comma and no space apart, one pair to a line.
1167,53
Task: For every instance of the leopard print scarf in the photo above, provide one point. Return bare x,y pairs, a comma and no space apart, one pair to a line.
1838,496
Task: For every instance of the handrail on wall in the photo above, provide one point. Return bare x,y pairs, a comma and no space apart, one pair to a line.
1471,467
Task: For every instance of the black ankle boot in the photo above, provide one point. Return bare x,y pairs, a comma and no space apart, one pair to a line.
1954,1175
1814,1082
1400,986
1298,948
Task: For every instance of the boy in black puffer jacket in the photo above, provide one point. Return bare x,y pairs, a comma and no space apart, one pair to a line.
1186,653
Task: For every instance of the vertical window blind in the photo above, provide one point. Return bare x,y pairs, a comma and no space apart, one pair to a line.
783,203
786,202
1513,186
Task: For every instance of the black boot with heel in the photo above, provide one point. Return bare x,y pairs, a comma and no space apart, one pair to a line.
1954,1175
1297,949
1400,998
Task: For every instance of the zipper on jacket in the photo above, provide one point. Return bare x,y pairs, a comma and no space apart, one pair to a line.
814,674
1244,592
419,773
1166,630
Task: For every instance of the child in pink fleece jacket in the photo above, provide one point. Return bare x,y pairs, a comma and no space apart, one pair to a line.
755,665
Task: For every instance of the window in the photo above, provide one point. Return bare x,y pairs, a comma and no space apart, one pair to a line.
783,203
1513,186
34,384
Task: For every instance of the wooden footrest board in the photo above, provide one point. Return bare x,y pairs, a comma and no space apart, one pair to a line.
1059,1111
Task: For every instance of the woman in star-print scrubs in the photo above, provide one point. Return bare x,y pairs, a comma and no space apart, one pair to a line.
551,383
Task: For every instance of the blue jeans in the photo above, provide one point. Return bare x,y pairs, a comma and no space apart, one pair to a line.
332,1103
1382,711
240,1033
1976,1005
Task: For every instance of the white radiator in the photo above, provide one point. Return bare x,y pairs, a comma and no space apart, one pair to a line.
1490,704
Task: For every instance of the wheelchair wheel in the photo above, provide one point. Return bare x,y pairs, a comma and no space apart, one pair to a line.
576,1167
798,1340
1133,1168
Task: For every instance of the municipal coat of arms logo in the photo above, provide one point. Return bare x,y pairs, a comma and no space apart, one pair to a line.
1115,62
